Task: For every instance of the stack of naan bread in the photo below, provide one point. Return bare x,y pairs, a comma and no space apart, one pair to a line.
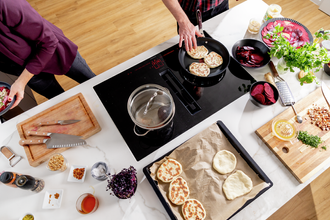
238,183
211,60
169,172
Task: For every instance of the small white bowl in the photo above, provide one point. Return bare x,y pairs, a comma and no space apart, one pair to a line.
34,218
73,179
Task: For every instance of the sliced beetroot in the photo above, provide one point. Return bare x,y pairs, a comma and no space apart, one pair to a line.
249,56
258,89
268,90
264,93
260,98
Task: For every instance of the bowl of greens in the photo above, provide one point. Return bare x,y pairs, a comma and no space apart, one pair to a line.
5,105
124,184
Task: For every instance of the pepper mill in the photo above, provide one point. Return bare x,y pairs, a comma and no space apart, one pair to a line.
22,181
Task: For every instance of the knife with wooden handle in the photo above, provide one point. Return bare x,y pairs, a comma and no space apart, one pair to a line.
53,140
58,122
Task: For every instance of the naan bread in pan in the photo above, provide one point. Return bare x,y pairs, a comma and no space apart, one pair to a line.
237,184
168,170
213,60
178,191
199,69
198,53
192,209
224,162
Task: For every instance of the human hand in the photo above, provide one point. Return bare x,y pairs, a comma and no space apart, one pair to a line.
16,89
188,33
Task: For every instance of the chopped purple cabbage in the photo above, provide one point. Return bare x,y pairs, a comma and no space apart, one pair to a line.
123,184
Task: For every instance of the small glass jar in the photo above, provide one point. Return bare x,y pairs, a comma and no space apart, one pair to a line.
87,203
254,26
273,11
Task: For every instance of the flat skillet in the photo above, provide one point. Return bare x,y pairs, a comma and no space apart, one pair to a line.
212,45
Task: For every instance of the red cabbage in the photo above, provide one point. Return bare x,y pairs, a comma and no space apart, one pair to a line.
124,184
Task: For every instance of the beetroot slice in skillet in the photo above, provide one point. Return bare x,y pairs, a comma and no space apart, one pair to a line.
260,98
258,89
269,92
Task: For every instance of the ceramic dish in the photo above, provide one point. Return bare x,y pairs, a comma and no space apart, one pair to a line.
6,85
33,217
71,178
53,199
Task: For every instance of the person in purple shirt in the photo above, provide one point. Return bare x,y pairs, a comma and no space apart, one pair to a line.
35,50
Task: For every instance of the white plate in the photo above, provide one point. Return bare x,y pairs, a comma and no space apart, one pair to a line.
50,202
71,178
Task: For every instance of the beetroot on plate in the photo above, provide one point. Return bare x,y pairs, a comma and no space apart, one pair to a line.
295,33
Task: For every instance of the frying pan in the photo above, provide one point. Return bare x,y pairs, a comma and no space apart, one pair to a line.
216,74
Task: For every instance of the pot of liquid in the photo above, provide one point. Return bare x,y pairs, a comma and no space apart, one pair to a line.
151,108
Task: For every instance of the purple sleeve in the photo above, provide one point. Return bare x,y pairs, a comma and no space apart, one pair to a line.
26,22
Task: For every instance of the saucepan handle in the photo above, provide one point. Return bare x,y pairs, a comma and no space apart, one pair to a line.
140,135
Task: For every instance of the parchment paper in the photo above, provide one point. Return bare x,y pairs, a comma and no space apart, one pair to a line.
205,183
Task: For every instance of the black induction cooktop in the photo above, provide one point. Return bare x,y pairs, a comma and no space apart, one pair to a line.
193,103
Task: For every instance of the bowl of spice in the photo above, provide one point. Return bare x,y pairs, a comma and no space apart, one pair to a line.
99,171
57,162
28,216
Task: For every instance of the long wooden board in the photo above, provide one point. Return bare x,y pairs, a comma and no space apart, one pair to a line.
75,107
301,160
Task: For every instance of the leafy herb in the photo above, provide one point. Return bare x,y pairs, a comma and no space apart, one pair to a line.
324,147
309,57
308,139
308,78
123,184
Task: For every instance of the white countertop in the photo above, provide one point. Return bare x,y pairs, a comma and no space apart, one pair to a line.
241,117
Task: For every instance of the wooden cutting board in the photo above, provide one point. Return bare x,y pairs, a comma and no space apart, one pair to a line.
302,161
75,107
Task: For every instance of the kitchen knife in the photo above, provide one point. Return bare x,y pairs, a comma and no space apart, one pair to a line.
58,122
199,21
53,140
326,92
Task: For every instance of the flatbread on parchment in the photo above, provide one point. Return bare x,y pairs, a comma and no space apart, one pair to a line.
192,209
224,162
236,185
178,191
168,170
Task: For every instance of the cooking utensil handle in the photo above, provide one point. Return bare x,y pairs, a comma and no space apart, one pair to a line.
199,20
48,123
24,142
273,69
38,133
140,135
